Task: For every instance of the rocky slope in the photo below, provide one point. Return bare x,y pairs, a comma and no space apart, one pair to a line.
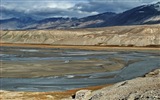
145,14
16,23
53,23
111,36
144,88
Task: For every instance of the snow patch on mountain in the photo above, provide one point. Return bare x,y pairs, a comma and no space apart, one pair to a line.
157,6
154,18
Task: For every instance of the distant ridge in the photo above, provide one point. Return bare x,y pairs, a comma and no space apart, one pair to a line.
145,14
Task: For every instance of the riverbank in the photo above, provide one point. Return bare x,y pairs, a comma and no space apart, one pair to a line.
141,88
144,88
13,95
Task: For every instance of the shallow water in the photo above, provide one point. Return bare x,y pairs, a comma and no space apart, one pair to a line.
142,63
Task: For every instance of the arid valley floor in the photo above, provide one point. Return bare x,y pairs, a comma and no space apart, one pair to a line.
103,63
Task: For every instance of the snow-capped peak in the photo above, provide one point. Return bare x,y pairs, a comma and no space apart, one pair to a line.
157,6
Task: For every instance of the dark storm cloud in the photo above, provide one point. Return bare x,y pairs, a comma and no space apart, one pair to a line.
40,9
65,8
9,13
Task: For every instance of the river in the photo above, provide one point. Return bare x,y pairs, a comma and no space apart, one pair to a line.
33,69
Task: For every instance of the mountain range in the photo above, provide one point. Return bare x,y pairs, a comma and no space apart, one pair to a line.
145,14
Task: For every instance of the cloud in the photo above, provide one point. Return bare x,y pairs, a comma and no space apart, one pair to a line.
7,12
111,5
65,8
40,9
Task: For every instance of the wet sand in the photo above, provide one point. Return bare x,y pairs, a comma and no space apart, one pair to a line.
49,68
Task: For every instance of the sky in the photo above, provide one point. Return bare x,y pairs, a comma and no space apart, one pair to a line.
40,9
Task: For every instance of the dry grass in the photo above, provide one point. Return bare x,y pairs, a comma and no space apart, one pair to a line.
87,47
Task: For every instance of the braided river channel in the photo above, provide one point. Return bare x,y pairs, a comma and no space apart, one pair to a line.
51,69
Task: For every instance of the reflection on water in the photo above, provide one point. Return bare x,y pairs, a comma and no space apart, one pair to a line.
136,64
